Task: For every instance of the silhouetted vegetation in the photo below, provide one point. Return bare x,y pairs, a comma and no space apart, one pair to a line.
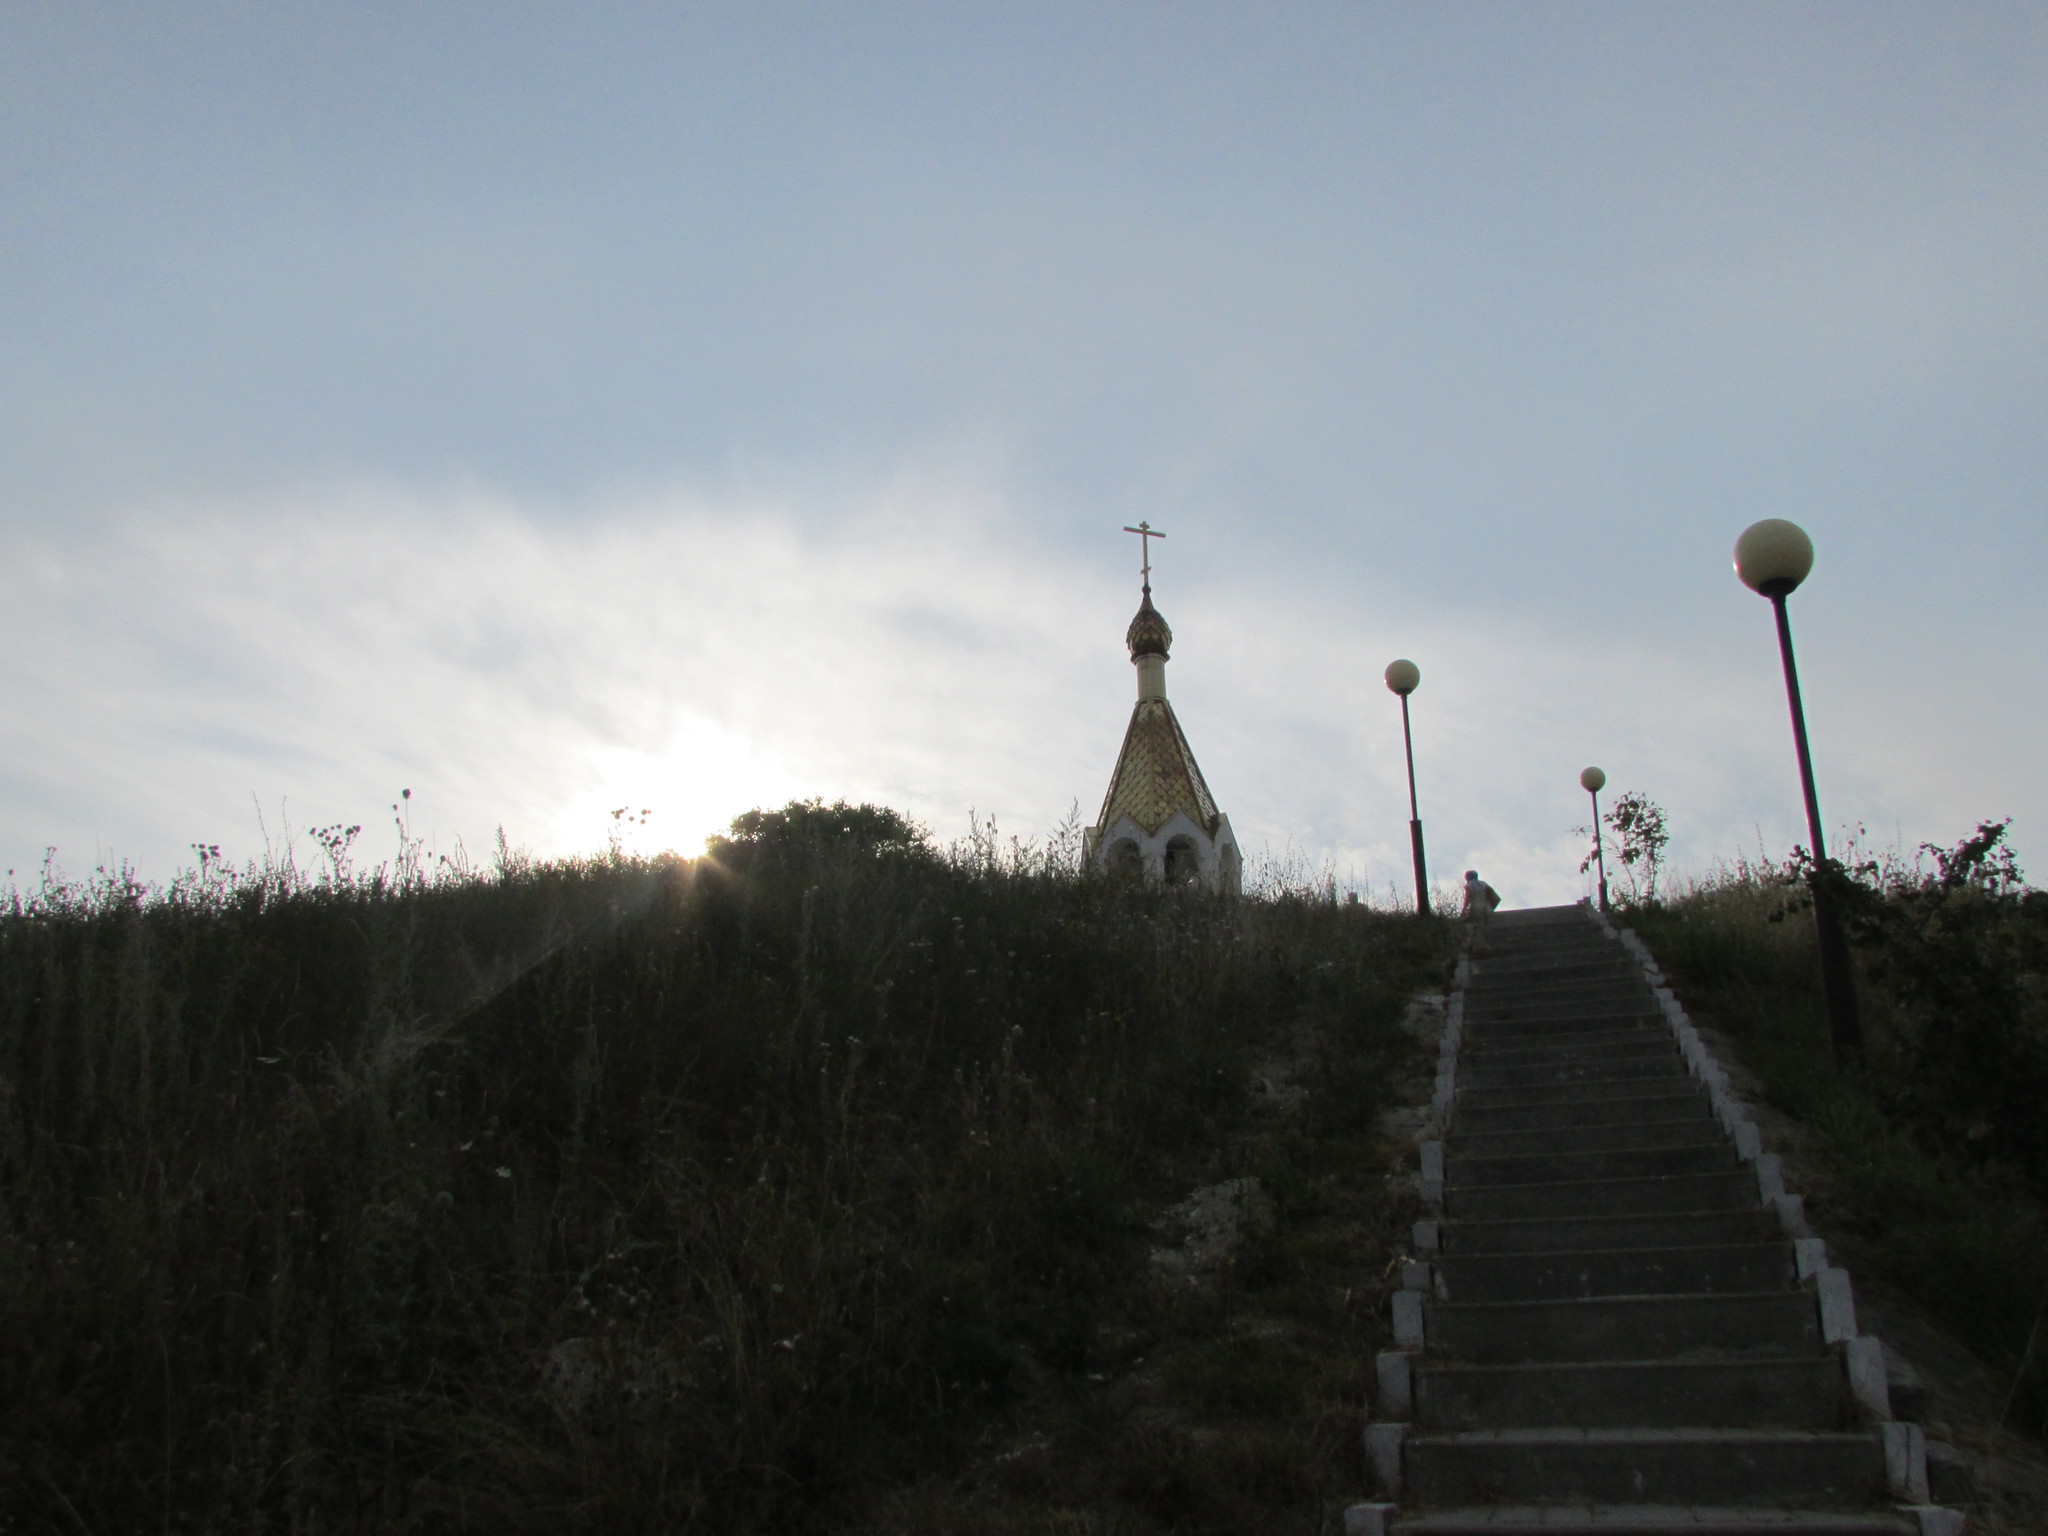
763,1191
1933,1157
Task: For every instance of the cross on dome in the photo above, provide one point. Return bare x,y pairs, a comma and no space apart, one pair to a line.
1146,534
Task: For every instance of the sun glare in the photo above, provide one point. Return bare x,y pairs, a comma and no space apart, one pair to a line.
675,798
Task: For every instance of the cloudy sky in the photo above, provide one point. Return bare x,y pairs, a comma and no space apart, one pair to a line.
549,409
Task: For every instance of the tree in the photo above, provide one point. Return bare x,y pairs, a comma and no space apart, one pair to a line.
1637,823
808,831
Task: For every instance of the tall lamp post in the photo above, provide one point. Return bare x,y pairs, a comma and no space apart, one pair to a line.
1592,781
1773,557
1402,677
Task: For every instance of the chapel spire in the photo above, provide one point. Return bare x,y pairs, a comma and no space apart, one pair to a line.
1159,819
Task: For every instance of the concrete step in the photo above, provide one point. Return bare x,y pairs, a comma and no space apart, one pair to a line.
1696,1130
1809,1393
1568,1071
1678,1101
1524,1002
1466,1169
1732,1190
1650,1520
1468,1172
1736,1468
1553,1096
1580,1051
1774,1324
1565,984
1606,1234
1722,1269
1520,1006
1618,979
1503,968
1504,948
1506,942
1646,1037
1602,986
1514,938
1501,1026
1645,1032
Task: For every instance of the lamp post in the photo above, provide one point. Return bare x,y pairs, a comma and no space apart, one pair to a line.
1402,678
1592,781
1772,558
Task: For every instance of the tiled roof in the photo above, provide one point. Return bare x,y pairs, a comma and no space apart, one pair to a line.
1156,774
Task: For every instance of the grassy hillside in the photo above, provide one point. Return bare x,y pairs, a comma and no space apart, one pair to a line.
771,1190
1929,1161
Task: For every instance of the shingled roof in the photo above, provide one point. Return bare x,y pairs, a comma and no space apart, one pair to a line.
1156,775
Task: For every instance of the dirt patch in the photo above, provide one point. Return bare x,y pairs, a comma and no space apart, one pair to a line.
1205,1232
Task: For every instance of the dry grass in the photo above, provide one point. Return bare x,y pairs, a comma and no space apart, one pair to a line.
789,1190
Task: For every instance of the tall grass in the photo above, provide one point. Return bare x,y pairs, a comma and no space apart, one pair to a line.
1924,1177
613,1194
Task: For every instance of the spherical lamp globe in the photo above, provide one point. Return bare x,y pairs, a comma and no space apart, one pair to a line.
1593,779
1403,676
1773,556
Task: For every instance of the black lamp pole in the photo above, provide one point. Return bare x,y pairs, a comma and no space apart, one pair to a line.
1773,557
1414,817
1837,977
1403,677
1599,850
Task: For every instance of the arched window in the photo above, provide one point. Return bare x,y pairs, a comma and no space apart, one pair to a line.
1183,863
1125,862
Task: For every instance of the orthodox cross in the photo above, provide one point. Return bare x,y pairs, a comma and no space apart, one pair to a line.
1146,534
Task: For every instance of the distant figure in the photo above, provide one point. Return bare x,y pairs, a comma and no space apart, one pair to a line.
1480,900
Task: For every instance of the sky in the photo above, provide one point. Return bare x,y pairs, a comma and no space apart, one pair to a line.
553,410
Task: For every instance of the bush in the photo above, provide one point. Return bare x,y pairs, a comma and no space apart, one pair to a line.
1962,949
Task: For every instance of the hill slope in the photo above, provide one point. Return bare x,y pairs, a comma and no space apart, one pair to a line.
808,1186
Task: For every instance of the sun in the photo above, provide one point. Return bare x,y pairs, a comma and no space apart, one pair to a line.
675,798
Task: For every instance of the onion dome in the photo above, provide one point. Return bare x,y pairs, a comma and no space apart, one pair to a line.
1148,634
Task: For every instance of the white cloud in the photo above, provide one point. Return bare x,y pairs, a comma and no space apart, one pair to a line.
695,660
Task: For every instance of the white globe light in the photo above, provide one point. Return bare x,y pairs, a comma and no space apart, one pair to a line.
1403,676
1773,556
1593,779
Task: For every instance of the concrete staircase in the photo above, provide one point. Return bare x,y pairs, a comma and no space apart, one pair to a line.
1616,1321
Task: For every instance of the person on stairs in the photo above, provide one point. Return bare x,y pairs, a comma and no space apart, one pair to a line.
1480,900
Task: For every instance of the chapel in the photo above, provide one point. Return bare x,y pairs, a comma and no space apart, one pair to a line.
1159,821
